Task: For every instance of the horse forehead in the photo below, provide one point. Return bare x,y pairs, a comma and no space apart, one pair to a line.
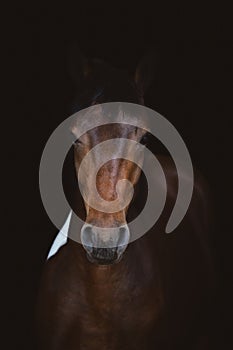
127,123
95,116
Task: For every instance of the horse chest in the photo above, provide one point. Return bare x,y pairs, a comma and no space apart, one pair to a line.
102,308
126,304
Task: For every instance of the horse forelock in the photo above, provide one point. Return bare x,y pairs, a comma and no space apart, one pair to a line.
106,85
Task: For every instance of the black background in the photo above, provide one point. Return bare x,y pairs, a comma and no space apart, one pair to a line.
192,89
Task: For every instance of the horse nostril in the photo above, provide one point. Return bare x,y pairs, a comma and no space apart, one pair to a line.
87,237
123,236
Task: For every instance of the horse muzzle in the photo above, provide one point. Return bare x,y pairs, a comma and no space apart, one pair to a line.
104,246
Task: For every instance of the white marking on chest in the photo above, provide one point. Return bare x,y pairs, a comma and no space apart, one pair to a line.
61,238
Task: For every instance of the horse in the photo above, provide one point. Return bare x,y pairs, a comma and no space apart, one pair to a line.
155,293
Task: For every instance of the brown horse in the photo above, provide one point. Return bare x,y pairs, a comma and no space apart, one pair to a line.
153,294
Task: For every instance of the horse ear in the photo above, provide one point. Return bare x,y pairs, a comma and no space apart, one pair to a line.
77,65
145,73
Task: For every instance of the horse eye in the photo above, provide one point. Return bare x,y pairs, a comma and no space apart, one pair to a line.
144,139
77,142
